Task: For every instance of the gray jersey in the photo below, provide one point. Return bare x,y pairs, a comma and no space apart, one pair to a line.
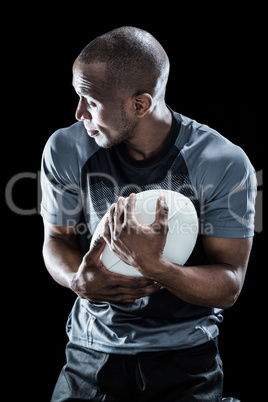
80,181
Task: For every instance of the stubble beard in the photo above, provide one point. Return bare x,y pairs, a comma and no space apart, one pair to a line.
127,133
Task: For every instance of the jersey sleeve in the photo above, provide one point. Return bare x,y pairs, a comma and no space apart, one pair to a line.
61,196
225,185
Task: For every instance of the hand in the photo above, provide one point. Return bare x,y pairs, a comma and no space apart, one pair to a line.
96,283
140,246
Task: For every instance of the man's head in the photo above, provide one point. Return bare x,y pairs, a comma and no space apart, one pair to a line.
120,76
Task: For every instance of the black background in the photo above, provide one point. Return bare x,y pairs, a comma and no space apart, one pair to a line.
217,77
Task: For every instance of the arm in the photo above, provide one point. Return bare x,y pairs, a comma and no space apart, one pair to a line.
85,275
215,285
61,252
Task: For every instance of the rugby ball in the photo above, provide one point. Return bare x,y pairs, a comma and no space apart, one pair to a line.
182,233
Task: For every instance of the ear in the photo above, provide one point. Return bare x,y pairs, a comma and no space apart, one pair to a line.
142,103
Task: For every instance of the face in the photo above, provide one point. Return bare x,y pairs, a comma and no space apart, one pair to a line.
106,117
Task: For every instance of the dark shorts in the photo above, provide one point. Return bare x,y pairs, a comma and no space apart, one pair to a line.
182,375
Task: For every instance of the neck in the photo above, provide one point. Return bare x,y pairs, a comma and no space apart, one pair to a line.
151,134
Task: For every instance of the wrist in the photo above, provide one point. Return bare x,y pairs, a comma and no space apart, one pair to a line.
155,268
71,280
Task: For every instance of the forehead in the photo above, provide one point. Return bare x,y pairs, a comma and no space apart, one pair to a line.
90,78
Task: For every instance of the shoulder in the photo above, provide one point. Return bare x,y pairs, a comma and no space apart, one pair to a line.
69,146
70,140
223,180
209,155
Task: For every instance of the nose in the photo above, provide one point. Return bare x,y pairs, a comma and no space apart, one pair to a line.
82,112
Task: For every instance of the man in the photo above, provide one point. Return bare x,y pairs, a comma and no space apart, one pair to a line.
154,337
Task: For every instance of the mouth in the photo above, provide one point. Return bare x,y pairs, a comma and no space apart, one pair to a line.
92,133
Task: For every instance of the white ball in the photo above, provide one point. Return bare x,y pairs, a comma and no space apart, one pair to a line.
181,237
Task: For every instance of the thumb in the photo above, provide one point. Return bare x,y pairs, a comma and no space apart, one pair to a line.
96,249
161,214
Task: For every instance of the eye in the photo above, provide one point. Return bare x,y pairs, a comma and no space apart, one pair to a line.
91,103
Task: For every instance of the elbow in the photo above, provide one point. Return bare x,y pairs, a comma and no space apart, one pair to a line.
229,301
45,253
231,293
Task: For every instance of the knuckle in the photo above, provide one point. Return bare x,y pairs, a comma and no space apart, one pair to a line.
165,212
98,242
112,246
129,204
112,280
165,226
165,208
87,259
126,228
138,293
161,227
118,298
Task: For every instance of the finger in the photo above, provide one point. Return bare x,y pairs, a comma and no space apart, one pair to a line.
134,294
161,214
129,211
119,215
118,280
149,290
96,249
106,233
111,218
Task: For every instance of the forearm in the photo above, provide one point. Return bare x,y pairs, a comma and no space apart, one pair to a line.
215,285
62,259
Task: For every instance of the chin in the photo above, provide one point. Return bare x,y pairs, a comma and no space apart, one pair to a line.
102,141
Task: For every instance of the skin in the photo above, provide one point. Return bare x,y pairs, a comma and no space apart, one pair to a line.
215,285
143,123
118,115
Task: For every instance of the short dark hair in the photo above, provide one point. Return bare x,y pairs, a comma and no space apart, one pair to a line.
134,59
